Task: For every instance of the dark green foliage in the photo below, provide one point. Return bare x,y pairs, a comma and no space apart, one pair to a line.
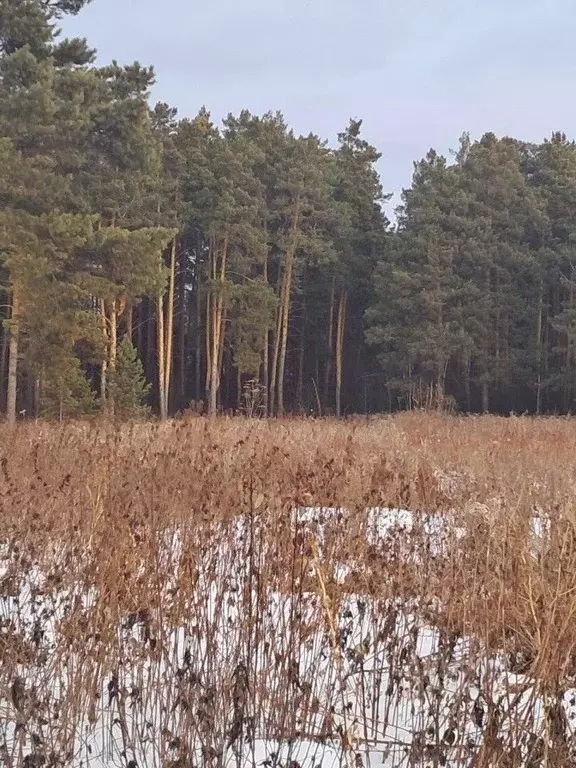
128,388
64,392
476,299
213,258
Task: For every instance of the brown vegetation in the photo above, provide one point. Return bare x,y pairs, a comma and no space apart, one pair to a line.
162,602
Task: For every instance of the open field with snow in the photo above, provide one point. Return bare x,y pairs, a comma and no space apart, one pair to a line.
395,592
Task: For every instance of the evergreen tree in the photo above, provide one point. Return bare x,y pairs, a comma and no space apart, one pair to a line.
248,256
128,387
416,318
359,242
36,115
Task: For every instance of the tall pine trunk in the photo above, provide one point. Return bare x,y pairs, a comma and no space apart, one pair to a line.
485,397
104,363
182,332
330,340
340,349
215,317
266,353
281,341
166,337
3,361
208,345
13,348
301,351
139,338
113,347
221,368
487,356
275,355
466,365
539,349
161,351
197,341
284,337
170,325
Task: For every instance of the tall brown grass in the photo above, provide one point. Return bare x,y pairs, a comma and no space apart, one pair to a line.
163,603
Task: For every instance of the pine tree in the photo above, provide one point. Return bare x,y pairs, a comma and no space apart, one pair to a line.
360,242
416,317
127,386
36,117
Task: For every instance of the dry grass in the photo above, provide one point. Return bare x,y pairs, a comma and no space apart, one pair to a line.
162,603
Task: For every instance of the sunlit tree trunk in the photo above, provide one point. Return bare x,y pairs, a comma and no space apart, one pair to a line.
217,320
160,343
284,318
182,334
340,349
13,349
3,362
198,341
266,353
166,337
104,364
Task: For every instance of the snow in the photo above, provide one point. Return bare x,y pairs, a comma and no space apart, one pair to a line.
393,688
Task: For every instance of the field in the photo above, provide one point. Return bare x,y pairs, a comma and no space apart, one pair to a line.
389,592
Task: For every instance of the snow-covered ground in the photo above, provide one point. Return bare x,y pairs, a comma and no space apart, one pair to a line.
256,676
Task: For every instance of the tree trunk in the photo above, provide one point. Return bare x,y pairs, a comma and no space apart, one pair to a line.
14,339
467,390
166,338
284,338
217,328
485,397
140,316
569,352
301,356
198,342
182,333
340,349
285,304
265,353
441,384
207,338
3,361
221,367
214,363
275,355
113,347
238,391
539,350
328,369
300,384
160,343
151,332
104,364
113,334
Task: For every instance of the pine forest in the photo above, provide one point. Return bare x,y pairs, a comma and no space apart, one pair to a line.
155,264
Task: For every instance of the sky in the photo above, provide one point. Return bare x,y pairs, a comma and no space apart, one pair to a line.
418,72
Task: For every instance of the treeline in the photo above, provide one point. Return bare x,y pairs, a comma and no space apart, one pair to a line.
150,261
474,300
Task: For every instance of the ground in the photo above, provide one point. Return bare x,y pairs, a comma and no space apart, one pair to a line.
396,591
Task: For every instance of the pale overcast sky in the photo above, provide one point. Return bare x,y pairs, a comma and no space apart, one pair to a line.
419,72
